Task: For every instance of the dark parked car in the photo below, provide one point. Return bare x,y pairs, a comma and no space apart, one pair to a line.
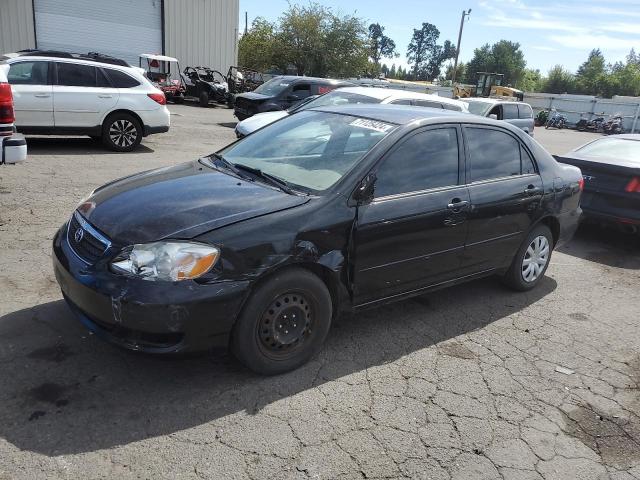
611,170
261,245
280,93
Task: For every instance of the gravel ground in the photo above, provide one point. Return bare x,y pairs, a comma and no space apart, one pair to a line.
458,384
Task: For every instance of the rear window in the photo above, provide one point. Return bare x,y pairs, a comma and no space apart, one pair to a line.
525,111
28,73
621,148
120,79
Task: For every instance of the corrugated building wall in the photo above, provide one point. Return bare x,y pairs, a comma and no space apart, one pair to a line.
17,30
202,32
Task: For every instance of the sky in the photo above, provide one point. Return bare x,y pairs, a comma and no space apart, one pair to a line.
549,32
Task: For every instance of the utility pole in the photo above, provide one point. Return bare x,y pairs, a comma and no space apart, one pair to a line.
455,64
246,22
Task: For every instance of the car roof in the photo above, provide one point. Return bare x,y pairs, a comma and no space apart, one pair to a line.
11,57
397,94
401,114
88,58
492,101
295,78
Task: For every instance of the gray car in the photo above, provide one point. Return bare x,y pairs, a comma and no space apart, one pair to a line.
518,114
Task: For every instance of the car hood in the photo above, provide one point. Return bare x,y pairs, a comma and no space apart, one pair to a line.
259,120
253,96
183,202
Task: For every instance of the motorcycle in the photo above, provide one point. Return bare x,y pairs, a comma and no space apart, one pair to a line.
613,126
593,125
556,119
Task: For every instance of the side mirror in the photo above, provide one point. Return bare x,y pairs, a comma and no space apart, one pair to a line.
292,97
364,192
494,116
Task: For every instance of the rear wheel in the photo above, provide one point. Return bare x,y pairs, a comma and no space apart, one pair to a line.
121,132
531,261
203,99
284,323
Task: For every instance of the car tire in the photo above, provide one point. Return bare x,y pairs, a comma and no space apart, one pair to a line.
269,336
531,260
121,132
203,99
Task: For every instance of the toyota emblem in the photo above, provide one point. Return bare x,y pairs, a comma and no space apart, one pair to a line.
78,235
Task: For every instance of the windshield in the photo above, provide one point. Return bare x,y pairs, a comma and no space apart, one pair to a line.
621,148
337,97
273,87
311,150
478,108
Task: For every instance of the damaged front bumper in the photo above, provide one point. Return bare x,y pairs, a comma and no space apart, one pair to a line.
153,317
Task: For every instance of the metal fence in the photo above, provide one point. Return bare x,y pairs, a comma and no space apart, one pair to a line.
575,107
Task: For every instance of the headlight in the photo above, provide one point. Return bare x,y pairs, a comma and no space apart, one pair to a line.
166,261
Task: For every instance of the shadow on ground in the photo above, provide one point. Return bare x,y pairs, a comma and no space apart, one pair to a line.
606,245
74,146
65,391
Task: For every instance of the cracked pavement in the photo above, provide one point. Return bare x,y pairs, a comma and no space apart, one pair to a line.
457,384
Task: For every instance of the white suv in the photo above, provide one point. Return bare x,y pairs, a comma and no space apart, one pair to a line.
58,93
13,147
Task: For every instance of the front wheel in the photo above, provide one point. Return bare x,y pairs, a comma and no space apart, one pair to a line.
203,99
121,132
284,323
531,260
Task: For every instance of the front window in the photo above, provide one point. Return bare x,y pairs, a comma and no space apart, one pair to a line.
273,87
311,151
620,148
337,97
478,108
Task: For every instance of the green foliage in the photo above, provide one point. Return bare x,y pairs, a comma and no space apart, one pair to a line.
311,39
426,55
591,78
379,44
531,81
502,57
559,80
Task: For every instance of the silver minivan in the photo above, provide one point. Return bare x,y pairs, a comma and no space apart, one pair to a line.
519,114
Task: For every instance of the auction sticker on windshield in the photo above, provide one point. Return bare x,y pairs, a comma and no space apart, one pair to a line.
371,125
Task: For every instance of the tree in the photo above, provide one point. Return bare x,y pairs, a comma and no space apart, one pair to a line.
502,57
425,54
531,81
345,50
256,48
559,80
393,72
591,75
379,44
460,74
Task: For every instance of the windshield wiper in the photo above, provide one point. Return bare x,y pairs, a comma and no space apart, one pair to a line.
226,164
271,179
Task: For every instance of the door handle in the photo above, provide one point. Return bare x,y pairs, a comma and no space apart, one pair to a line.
105,96
532,190
42,95
457,205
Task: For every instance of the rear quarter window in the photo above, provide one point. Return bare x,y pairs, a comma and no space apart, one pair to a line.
509,111
120,79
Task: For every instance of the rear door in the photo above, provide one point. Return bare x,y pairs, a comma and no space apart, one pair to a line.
505,191
525,114
32,93
82,95
412,233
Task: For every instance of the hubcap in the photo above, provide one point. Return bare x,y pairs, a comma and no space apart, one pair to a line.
123,133
286,323
535,259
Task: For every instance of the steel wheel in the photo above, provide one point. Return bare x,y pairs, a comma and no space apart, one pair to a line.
285,325
535,258
123,133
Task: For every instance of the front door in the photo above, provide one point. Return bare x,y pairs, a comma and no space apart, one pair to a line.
82,96
32,94
412,233
505,191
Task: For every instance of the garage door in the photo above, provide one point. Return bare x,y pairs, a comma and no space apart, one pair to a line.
122,28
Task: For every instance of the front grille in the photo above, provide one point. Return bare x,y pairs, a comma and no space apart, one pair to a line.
89,245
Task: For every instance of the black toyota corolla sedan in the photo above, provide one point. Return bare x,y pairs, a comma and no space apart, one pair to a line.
611,170
259,246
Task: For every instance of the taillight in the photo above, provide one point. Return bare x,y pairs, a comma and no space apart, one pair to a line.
7,114
633,185
158,97
581,184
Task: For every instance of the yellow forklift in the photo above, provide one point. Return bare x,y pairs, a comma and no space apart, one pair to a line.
488,85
